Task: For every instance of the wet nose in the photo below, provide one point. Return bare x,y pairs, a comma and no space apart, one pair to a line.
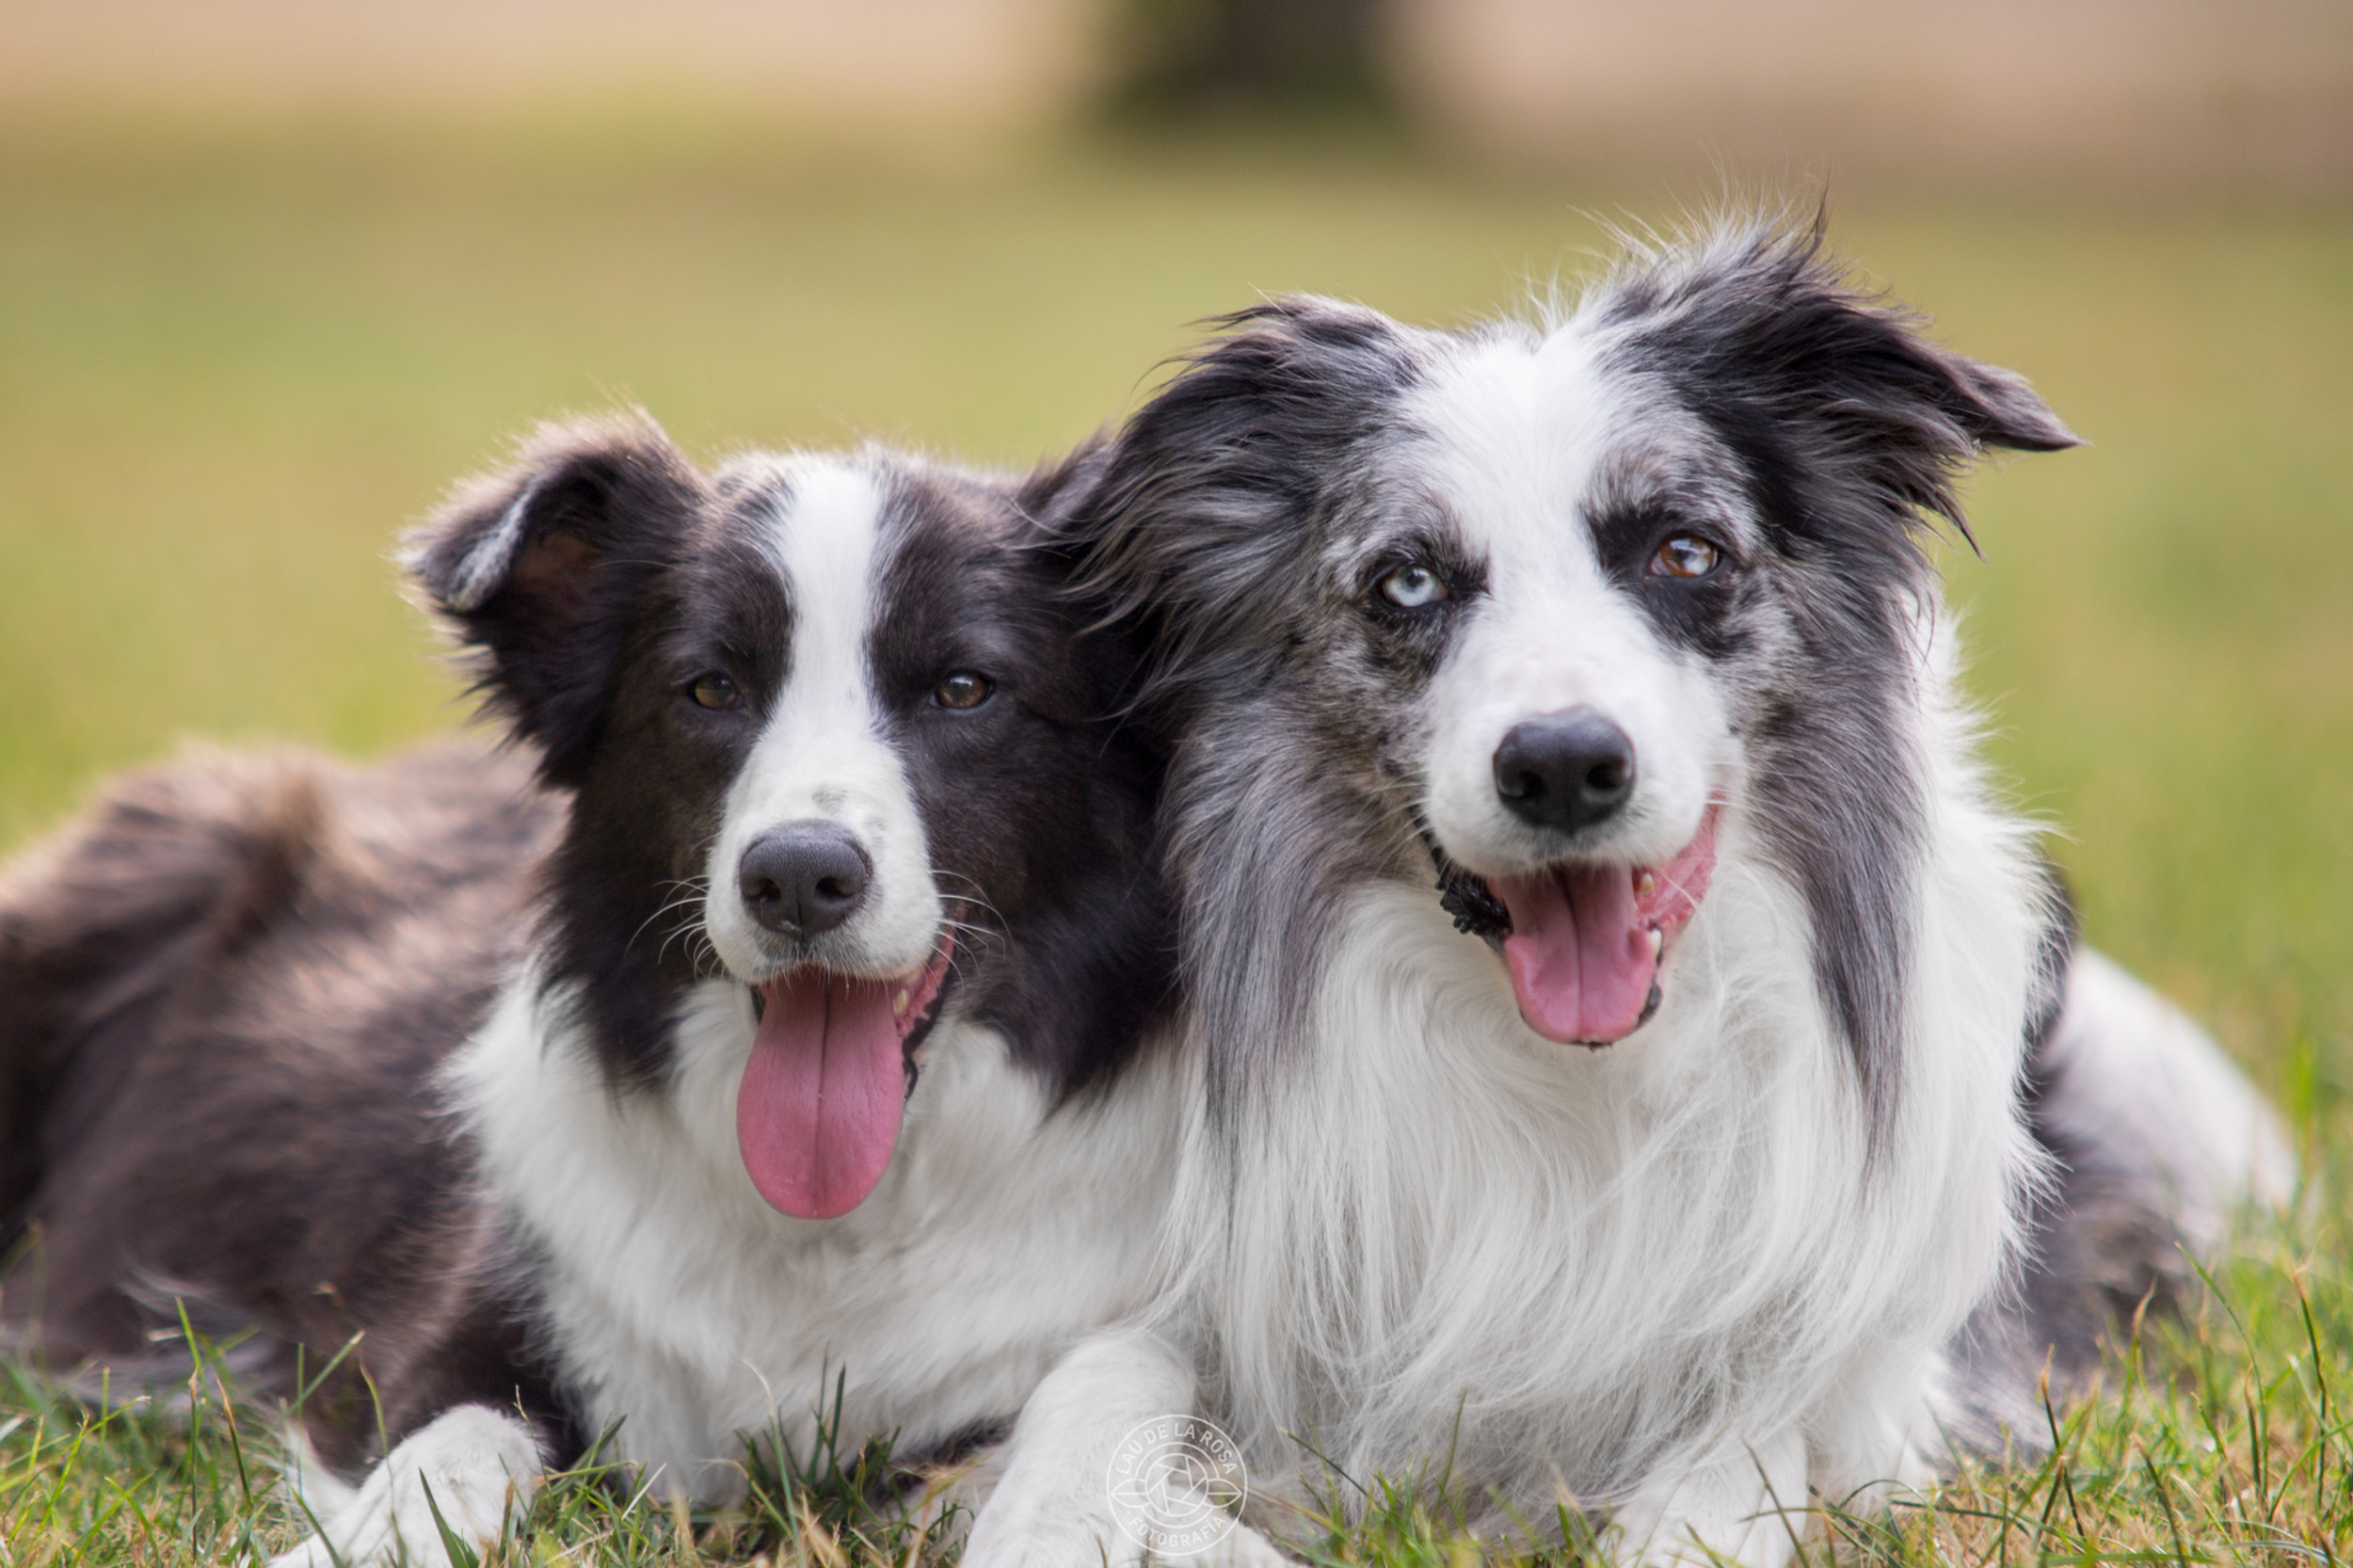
1567,770
804,878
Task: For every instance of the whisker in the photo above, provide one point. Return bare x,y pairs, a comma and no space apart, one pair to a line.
976,899
689,929
674,904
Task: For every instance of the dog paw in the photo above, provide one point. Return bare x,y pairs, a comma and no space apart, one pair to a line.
1096,1543
1242,1548
461,1476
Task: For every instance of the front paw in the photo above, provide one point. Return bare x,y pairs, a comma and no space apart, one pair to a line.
460,1476
1040,1542
1243,1547
1076,1542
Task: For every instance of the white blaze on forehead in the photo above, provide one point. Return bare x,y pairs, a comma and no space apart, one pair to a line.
1518,430
824,755
825,530
1527,435
1522,435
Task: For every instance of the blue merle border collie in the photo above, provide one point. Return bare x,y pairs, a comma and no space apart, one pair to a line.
748,1022
1638,1062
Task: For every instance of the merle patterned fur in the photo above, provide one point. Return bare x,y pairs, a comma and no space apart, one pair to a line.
1223,499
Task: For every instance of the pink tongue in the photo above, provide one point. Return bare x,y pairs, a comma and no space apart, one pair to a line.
818,1112
1580,958
1581,954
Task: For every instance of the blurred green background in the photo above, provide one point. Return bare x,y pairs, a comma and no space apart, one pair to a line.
250,324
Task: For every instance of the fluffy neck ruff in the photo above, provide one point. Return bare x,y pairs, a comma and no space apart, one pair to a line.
1431,1235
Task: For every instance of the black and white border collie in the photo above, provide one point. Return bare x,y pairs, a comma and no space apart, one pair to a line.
1619,1010
746,1026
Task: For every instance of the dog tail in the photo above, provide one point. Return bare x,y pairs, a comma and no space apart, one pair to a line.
106,922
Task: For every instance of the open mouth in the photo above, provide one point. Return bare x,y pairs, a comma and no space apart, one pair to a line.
1584,944
818,1111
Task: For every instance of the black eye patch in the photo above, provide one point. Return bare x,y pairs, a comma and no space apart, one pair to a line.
1680,567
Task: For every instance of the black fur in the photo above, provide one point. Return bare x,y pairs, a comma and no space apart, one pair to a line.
226,994
642,571
226,997
1039,804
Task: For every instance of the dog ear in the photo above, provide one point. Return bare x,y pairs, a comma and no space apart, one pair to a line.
1853,428
1760,333
1993,406
537,568
1191,525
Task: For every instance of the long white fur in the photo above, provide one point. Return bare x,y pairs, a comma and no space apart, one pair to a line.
1674,1280
689,1315
1461,1217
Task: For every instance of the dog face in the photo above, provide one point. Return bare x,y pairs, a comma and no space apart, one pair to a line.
831,741
1540,605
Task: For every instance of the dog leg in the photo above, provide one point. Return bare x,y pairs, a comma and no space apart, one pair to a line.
1053,1506
480,1465
1741,1503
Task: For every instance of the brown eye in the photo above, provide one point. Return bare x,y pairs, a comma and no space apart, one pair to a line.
1686,555
963,689
714,691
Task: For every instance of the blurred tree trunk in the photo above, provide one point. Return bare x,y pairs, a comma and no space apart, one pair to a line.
1285,56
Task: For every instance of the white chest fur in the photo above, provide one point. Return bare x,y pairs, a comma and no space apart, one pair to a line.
1448,1235
685,1309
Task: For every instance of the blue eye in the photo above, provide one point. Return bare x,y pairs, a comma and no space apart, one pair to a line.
1413,586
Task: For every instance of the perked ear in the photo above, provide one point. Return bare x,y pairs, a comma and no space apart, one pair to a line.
537,569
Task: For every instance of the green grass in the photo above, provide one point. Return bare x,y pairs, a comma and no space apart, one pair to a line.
2224,1439
234,360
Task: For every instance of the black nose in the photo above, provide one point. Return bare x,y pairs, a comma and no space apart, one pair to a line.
804,878
1566,770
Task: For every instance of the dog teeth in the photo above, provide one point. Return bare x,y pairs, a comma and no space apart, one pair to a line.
899,1003
1657,944
1645,885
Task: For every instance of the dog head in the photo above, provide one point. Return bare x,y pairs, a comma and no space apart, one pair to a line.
1534,608
832,741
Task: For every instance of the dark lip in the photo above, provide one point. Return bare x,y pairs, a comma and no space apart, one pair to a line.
1467,896
922,1031
1464,894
